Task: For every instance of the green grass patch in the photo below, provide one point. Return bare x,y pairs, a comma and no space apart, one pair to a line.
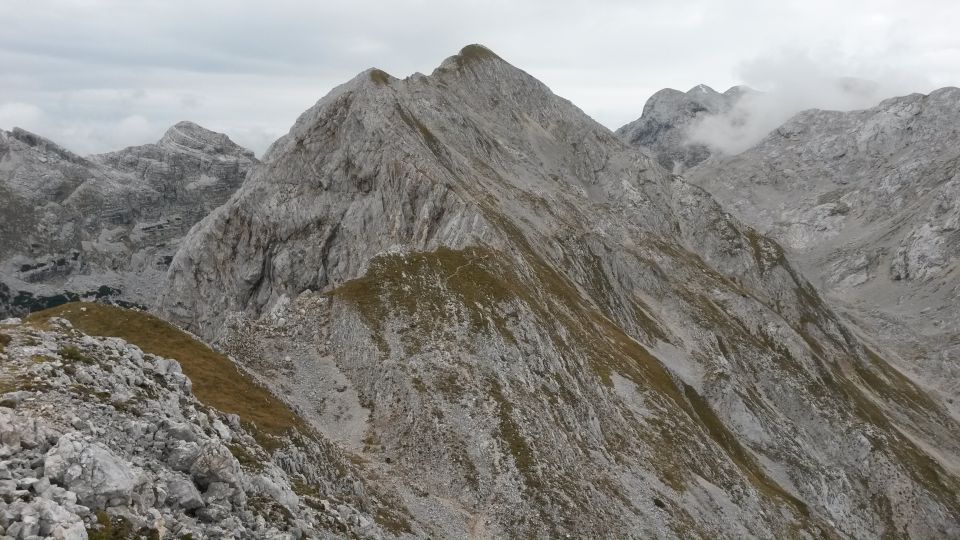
516,444
394,521
73,354
246,458
424,286
118,528
766,252
474,53
740,456
429,138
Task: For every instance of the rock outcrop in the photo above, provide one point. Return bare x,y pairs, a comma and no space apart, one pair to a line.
104,226
525,327
98,436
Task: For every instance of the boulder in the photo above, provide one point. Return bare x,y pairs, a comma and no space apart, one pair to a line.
91,470
183,455
19,431
215,464
183,492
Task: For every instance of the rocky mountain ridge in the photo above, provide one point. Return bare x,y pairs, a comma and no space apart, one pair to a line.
463,273
458,307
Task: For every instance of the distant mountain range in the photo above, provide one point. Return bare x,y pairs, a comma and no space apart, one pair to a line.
105,225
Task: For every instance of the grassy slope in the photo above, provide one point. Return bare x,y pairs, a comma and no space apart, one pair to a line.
217,381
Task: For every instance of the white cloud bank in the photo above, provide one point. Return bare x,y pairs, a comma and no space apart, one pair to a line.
793,81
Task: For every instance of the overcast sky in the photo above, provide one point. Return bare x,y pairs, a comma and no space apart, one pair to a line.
97,75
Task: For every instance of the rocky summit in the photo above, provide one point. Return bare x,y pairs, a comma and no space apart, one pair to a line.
528,328
454,306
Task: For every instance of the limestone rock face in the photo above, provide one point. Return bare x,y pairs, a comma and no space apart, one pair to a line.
866,204
526,327
667,117
105,225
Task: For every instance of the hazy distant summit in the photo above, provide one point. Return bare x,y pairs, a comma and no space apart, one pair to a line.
667,118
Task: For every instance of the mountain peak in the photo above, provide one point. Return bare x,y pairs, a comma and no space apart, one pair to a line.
667,116
668,101
476,51
469,55
701,89
476,75
379,76
189,135
473,54
738,91
186,130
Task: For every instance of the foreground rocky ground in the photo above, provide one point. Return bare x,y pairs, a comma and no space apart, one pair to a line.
102,440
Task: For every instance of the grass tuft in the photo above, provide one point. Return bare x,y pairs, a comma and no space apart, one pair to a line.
74,354
118,528
475,53
246,458
380,77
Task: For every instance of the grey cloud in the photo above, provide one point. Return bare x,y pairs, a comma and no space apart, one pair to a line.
249,68
791,81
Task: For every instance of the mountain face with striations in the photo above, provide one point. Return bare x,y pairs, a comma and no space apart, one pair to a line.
104,225
866,203
525,327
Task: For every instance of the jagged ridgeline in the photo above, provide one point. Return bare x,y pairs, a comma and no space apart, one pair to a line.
525,327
